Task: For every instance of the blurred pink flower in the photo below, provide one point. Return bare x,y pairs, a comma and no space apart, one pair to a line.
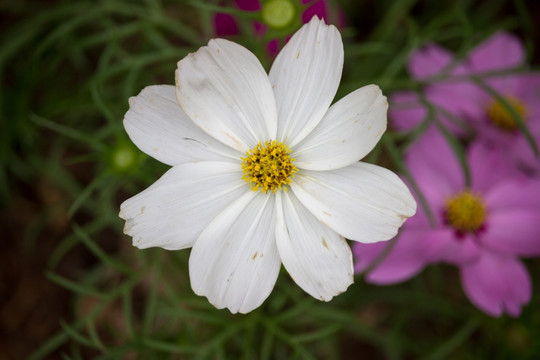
482,228
464,106
226,25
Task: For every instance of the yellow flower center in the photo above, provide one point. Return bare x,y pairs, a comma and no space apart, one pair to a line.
268,166
501,117
465,212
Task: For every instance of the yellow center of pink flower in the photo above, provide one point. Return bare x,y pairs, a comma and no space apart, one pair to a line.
465,212
268,166
501,117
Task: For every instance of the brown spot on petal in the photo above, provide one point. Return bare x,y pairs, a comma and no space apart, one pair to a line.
403,217
324,243
233,138
254,255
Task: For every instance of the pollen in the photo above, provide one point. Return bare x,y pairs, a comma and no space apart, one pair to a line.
268,166
465,212
499,115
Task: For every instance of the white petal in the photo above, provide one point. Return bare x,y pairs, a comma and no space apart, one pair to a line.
317,258
235,262
175,209
305,77
362,202
156,123
224,89
349,131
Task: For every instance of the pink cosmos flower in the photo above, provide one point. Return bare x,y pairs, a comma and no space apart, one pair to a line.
464,106
226,25
483,228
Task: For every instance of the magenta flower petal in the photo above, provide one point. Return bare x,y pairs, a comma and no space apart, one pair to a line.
520,150
528,91
272,47
514,217
495,137
501,51
248,5
324,10
505,85
435,168
514,232
516,193
445,245
523,154
497,284
528,87
225,25
488,167
317,7
429,61
401,263
406,112
457,98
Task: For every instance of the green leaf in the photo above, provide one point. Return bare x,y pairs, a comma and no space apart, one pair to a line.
67,131
78,337
169,347
72,285
444,350
318,334
98,252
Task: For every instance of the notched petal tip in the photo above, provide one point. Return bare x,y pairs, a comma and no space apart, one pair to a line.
316,19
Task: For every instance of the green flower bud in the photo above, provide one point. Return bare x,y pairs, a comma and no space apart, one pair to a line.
278,14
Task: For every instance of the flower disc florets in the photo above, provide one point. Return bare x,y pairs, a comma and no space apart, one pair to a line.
268,166
501,117
465,212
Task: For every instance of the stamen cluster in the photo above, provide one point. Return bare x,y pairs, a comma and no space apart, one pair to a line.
465,212
268,166
501,117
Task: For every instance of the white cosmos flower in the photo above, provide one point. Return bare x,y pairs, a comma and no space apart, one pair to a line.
264,171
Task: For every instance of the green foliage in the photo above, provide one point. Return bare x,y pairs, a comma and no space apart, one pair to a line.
67,69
